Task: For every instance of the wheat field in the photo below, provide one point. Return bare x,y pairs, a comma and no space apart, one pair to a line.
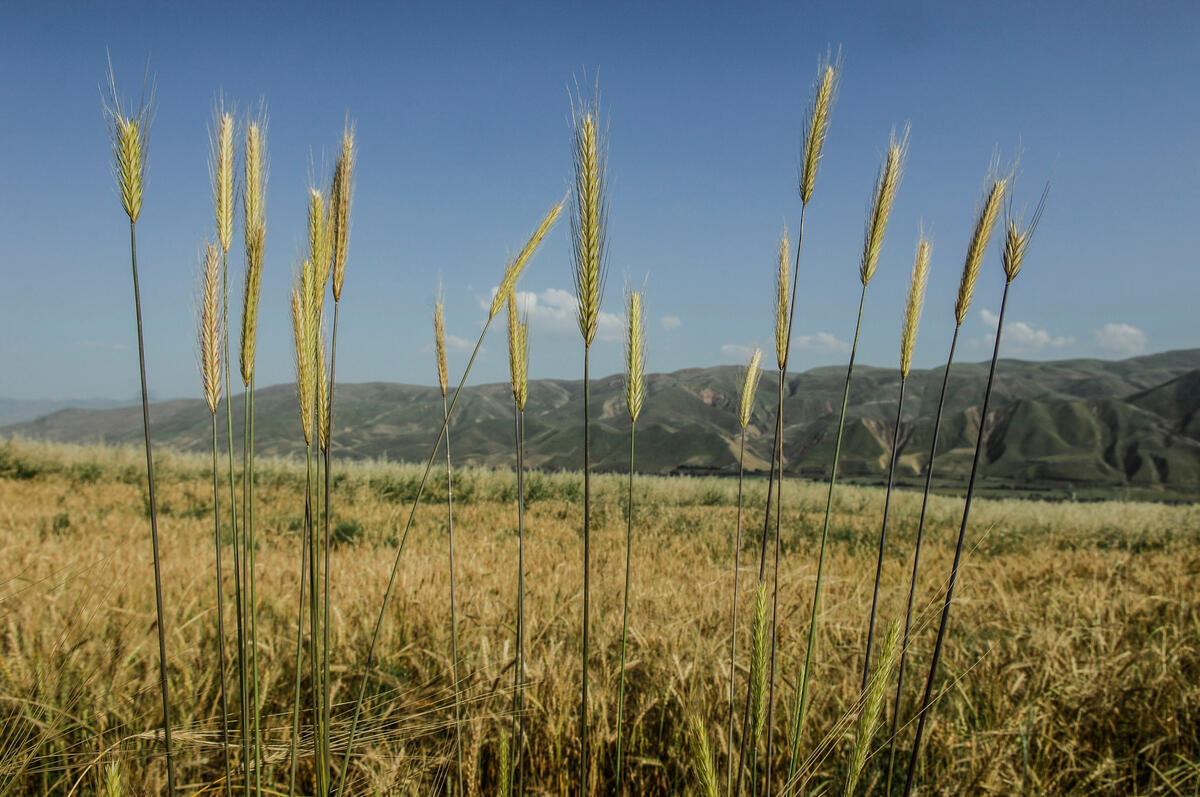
1074,666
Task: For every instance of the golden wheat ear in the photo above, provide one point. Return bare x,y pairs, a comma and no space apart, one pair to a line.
749,387
781,303
635,353
981,235
914,303
129,131
340,196
254,208
210,327
816,127
305,357
220,168
882,201
515,266
589,211
1018,235
439,341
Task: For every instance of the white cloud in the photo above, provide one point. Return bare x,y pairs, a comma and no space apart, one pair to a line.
1125,340
822,341
456,344
1020,336
671,322
556,310
737,350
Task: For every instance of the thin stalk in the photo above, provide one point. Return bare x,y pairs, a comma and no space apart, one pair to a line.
220,605
800,707
250,543
775,586
887,503
625,611
518,732
962,531
233,520
587,566
158,598
396,564
453,606
324,730
912,585
314,641
737,551
304,564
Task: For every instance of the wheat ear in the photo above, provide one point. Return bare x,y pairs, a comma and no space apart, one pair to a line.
914,303
749,387
635,354
816,127
512,271
702,760
341,196
884,197
989,212
439,343
221,175
868,720
781,304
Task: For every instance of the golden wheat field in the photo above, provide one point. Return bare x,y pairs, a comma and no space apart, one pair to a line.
1073,666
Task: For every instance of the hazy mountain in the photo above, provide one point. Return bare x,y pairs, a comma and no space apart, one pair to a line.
17,410
1052,425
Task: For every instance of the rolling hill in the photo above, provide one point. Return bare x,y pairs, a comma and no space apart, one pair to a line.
1057,426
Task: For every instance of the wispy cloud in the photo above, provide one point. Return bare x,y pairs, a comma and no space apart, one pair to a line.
1020,336
1124,340
671,322
738,351
821,341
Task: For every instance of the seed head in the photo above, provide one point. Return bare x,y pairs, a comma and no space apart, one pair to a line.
748,388
322,397
781,304
515,266
341,194
210,327
439,343
305,356
1018,235
886,184
702,757
816,126
916,298
254,207
758,662
129,131
635,354
589,213
518,354
993,199
221,173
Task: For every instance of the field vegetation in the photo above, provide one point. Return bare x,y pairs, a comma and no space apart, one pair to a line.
1075,666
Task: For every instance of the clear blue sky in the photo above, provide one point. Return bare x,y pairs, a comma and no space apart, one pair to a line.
462,116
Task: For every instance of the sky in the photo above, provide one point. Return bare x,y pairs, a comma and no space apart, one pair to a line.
463,122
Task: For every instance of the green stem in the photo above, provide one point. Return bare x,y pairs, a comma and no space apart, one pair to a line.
453,609
943,626
304,564
799,709
220,604
251,543
775,583
233,520
324,729
912,585
887,504
587,582
625,611
519,670
314,643
396,563
158,597
737,550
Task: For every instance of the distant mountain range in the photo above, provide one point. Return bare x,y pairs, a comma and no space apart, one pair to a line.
1056,426
18,410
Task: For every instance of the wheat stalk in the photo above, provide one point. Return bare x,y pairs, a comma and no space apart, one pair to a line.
589,238
635,395
518,361
129,137
758,677
1015,247
210,375
439,337
908,339
745,407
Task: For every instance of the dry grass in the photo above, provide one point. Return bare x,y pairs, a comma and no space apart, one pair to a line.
1073,666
